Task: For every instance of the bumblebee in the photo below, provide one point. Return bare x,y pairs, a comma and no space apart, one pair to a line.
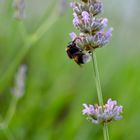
77,54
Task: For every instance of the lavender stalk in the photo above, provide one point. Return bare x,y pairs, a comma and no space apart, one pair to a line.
18,92
82,50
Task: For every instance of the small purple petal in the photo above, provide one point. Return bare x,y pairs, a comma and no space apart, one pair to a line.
104,22
76,20
86,110
85,16
111,103
118,109
73,36
89,110
91,107
109,33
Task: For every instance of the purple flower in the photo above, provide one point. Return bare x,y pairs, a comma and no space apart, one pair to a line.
104,22
101,38
98,24
103,114
73,36
89,110
85,17
109,33
111,103
76,20
95,7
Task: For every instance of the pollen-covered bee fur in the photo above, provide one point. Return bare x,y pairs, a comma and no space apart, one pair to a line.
77,54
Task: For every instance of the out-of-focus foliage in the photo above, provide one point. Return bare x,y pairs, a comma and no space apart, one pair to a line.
56,87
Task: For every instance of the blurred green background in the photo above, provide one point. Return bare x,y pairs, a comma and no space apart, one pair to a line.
56,87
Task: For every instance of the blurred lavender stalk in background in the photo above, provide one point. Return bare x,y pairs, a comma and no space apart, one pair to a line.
63,7
19,9
18,90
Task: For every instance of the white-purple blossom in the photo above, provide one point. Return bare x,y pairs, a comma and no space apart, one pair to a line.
73,36
85,17
76,20
88,109
104,22
103,114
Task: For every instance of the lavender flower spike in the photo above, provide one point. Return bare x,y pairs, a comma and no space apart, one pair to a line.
103,114
92,29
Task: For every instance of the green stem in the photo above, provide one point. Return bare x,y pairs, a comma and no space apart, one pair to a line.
4,126
99,92
11,111
43,29
105,132
97,79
